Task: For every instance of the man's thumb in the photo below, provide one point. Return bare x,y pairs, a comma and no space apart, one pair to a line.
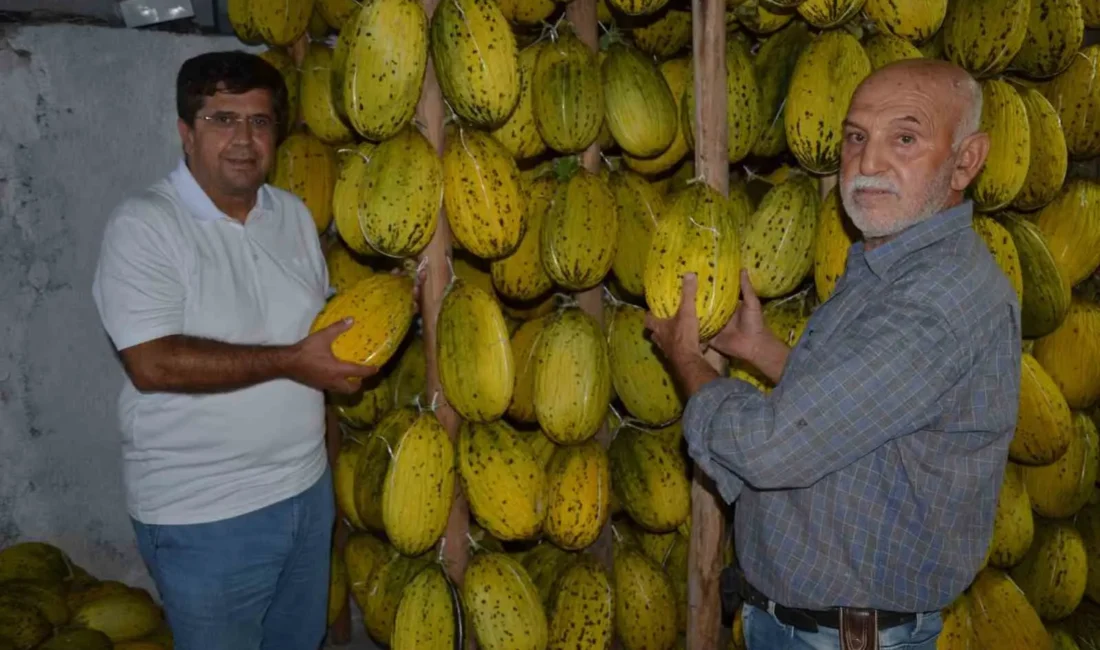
338,328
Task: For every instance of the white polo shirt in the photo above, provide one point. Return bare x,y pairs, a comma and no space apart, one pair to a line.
173,263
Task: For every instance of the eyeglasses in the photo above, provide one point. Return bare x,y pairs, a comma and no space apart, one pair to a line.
229,121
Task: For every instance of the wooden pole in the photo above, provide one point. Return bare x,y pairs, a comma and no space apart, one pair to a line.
435,261
712,164
582,15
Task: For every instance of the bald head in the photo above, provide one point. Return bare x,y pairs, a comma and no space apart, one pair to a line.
911,144
961,95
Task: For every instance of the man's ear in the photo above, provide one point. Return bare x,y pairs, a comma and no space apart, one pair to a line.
971,158
187,136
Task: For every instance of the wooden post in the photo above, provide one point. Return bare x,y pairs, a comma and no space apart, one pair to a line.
712,164
582,15
435,260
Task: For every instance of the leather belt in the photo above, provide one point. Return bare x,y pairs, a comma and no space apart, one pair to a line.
809,620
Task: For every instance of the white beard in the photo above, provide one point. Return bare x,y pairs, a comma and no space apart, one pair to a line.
931,203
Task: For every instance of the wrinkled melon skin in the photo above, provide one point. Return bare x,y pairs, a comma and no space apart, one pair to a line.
280,22
1060,489
578,489
983,36
382,308
419,486
638,103
1044,425
573,346
568,94
1075,96
826,76
307,168
641,589
1002,616
578,238
379,85
519,134
915,21
1053,572
504,604
695,234
1000,244
1013,523
774,63
122,617
476,367
1005,119
1071,354
502,480
638,371
1046,287
639,206
582,611
430,615
476,60
1055,32
402,191
650,479
483,194
778,247
1070,224
318,111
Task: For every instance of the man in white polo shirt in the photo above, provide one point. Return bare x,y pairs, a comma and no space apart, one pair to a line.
207,284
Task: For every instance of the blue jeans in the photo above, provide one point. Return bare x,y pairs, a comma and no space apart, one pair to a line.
254,582
764,632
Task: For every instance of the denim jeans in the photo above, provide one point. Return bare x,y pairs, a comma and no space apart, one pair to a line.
254,582
764,632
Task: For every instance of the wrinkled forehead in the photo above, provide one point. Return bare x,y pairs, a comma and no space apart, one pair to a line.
922,100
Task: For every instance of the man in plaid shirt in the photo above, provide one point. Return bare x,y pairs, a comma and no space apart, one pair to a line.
867,480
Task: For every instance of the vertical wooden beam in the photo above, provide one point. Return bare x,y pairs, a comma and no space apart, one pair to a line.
435,260
582,15
712,164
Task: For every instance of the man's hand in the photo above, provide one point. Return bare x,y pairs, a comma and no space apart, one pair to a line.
678,339
314,364
745,333
678,336
748,338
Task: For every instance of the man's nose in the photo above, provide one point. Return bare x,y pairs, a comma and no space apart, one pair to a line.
872,160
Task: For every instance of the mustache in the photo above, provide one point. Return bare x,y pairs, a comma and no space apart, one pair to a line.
861,182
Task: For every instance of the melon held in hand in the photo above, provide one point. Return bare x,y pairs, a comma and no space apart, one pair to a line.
382,307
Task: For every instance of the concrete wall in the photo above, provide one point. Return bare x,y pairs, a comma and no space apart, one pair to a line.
87,115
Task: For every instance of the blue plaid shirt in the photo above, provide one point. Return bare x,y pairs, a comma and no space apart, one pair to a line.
869,476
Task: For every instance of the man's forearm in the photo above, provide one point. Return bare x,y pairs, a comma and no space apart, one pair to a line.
186,364
692,372
771,358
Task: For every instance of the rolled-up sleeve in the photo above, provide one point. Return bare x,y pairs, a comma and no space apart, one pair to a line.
881,378
138,286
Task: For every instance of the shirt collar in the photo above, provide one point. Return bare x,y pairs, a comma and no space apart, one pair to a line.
196,199
916,237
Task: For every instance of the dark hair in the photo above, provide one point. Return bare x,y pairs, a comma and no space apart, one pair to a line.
233,72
